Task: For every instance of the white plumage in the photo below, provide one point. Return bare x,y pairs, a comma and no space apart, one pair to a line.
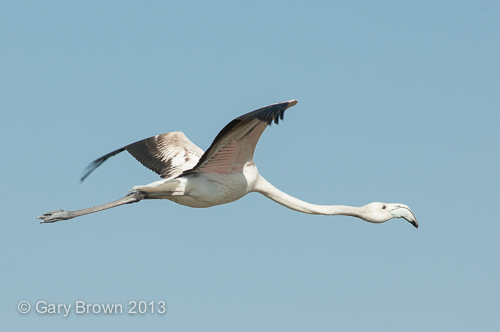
222,174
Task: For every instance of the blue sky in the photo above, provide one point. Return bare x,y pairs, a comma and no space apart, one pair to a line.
398,102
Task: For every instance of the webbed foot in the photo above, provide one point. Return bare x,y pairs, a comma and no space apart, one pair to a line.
53,216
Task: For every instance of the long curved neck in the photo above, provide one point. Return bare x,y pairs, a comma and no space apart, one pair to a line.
265,188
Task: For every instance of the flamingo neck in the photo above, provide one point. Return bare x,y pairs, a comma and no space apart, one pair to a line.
265,188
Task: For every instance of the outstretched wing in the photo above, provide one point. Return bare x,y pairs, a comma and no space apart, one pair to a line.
235,144
168,155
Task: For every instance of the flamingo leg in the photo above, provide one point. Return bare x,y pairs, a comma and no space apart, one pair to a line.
57,215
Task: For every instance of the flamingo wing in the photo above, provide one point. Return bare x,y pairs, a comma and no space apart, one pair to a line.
235,144
168,155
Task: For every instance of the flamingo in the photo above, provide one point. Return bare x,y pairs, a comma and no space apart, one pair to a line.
222,174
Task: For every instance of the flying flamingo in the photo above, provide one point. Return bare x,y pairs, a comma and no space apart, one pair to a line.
222,174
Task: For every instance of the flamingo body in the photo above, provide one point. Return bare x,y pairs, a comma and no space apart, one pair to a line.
222,174
202,190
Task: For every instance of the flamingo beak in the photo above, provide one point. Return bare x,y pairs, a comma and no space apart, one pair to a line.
403,211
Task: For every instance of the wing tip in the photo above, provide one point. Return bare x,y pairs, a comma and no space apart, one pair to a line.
281,112
98,162
89,169
291,103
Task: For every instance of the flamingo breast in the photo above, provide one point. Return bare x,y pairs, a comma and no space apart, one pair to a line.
209,189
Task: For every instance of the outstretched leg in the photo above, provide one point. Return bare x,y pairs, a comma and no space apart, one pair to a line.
57,215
